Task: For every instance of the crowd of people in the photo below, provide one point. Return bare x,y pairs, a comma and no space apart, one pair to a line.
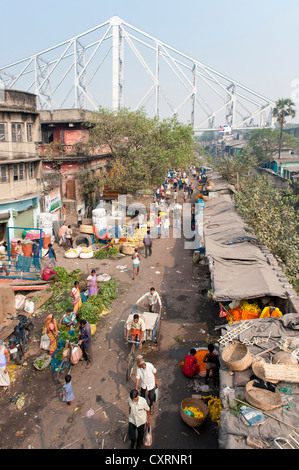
140,403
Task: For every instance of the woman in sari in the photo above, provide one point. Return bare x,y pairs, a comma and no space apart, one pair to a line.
92,284
52,332
76,298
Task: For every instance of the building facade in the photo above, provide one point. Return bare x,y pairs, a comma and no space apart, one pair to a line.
20,164
65,154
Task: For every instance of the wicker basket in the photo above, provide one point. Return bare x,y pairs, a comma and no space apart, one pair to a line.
280,372
262,399
197,403
86,229
237,357
282,357
259,371
127,249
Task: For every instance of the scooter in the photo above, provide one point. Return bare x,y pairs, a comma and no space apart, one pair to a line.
18,341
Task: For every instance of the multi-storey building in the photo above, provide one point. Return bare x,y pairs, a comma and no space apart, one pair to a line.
65,154
20,164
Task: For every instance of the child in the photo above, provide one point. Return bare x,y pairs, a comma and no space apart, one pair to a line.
68,394
52,255
212,364
136,263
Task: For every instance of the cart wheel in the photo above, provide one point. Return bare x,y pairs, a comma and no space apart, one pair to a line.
130,366
157,333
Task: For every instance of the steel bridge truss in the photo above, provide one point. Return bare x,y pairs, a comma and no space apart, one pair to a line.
77,74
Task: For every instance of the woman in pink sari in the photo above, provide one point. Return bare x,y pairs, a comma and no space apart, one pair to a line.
76,298
92,285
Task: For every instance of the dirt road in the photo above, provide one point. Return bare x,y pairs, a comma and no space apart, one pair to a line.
44,422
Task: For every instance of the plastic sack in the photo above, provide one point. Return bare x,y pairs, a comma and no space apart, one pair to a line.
42,362
29,306
156,395
76,355
148,436
45,342
229,396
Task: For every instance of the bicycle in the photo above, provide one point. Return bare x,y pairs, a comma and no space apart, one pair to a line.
131,358
66,363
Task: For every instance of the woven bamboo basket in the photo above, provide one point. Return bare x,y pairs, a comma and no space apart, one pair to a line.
127,249
281,373
259,371
237,357
282,357
86,229
262,399
197,403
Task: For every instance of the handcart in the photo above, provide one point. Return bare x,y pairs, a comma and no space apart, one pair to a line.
152,331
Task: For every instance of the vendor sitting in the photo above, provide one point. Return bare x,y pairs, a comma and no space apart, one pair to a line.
68,319
136,327
48,274
191,367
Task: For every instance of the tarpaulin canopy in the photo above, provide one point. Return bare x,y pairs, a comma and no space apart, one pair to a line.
239,269
243,279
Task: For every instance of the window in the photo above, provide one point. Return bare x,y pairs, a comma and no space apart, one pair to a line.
16,131
18,172
21,171
31,170
4,175
29,132
2,132
47,136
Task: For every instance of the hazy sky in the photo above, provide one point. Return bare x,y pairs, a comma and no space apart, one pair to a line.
254,42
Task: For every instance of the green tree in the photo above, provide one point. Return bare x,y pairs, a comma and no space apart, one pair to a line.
142,150
272,214
236,169
89,185
284,108
265,143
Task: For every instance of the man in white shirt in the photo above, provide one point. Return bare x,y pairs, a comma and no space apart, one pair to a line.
147,376
139,414
153,299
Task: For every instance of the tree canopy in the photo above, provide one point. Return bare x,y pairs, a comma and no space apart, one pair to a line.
142,149
264,143
284,108
272,214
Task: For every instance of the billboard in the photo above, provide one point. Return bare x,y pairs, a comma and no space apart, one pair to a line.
53,201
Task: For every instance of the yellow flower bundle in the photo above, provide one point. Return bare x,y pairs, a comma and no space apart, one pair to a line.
196,412
215,407
250,306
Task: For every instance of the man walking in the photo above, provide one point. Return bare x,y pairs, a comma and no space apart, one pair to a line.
148,243
85,341
139,415
147,376
153,299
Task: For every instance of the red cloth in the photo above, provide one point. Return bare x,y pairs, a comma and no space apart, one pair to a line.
191,366
47,273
